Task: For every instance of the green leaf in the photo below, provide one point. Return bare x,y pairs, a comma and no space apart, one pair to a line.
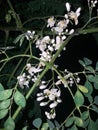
18,38
91,78
5,94
37,122
51,124
9,124
86,122
96,86
73,128
92,125
96,100
90,69
69,122
78,121
45,126
19,99
4,104
90,98
57,124
24,128
83,89
1,87
78,98
21,40
95,108
87,61
3,113
97,66
96,79
82,63
85,115
89,86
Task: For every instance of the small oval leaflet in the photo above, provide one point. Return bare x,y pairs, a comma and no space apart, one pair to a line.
9,124
78,121
78,98
69,122
5,104
3,113
83,89
37,123
5,94
19,99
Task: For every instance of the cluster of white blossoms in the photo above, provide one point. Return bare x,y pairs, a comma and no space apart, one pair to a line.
93,3
48,45
29,35
61,26
49,96
31,75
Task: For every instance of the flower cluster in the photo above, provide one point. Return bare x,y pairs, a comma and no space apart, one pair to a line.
48,46
49,97
29,35
31,75
93,3
61,26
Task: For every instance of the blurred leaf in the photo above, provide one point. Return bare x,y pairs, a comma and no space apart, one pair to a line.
91,78
96,100
19,99
51,124
9,124
3,113
73,128
96,79
45,126
96,85
83,89
85,124
78,98
85,115
90,68
97,66
4,104
78,121
87,61
82,63
89,86
37,122
18,38
95,108
92,125
24,128
1,87
57,124
69,121
5,94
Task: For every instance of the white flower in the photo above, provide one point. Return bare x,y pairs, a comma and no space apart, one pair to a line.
71,31
29,35
58,42
43,103
53,105
40,98
50,115
68,6
42,86
23,81
71,14
51,22
74,15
